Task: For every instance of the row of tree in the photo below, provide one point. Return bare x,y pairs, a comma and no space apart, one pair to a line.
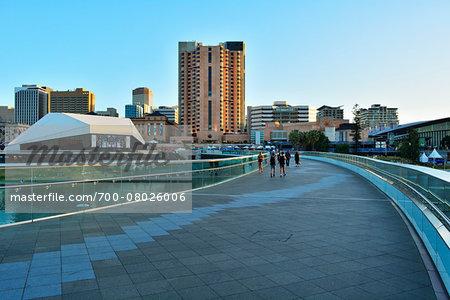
313,140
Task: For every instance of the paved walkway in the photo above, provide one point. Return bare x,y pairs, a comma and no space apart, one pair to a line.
321,232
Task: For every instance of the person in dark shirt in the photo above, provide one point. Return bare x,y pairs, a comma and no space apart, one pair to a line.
282,162
297,159
272,165
288,158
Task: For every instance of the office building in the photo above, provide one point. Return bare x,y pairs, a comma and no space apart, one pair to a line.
133,111
171,112
379,117
306,113
144,97
211,88
79,101
280,111
337,113
109,112
7,114
31,103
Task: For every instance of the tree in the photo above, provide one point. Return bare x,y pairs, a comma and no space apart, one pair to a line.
342,148
294,138
313,137
357,128
409,146
323,144
303,137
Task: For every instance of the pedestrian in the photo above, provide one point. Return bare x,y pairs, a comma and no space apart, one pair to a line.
282,162
297,159
288,158
260,161
272,165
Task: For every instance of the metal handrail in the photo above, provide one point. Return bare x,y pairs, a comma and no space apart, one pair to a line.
358,161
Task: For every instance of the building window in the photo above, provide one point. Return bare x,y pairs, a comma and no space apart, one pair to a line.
209,82
209,57
209,115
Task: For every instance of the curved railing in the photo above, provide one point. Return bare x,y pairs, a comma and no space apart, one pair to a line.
423,195
170,177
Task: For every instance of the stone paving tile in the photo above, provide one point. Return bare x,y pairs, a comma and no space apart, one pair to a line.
121,292
228,288
79,286
277,292
199,292
153,287
146,276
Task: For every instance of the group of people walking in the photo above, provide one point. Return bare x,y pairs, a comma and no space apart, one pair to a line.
283,160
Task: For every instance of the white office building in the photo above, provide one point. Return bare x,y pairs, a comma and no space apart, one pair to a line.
31,103
171,112
280,111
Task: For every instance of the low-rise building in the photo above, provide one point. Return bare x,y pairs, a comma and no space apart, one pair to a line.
109,112
7,114
431,133
78,132
155,127
344,133
275,131
257,136
9,131
134,111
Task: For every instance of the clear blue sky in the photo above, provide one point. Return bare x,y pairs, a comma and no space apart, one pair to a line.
396,53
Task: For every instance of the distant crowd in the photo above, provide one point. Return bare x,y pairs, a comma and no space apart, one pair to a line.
283,159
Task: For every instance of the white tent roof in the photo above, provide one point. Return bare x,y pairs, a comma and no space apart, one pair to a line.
434,154
423,158
61,125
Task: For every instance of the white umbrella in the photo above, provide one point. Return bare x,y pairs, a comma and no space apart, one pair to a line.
434,155
423,158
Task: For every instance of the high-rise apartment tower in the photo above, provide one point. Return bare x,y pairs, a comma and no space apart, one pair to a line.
211,88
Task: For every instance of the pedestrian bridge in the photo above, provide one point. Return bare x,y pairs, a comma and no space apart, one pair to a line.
332,228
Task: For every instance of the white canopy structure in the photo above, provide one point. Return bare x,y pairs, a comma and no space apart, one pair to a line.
65,126
434,155
423,158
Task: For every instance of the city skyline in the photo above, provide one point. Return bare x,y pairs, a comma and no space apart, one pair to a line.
312,53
